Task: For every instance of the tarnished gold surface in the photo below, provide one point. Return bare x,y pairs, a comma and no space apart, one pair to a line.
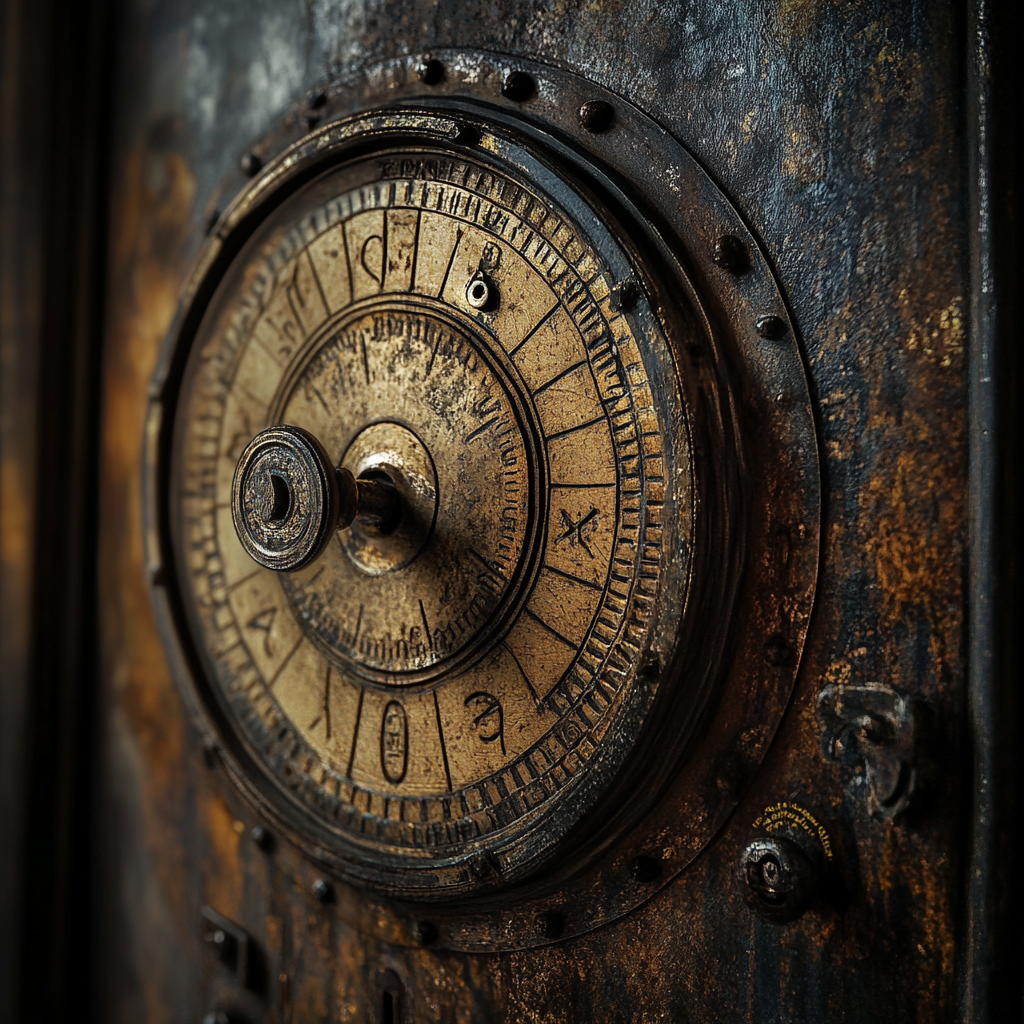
444,686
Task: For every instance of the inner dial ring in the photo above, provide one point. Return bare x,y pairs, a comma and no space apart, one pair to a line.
459,443
440,771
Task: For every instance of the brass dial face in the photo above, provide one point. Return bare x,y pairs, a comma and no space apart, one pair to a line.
439,704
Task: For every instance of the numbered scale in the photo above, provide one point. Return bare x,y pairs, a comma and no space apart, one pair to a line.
449,574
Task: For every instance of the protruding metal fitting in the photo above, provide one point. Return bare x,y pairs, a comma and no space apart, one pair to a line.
322,890
287,499
481,292
772,328
777,879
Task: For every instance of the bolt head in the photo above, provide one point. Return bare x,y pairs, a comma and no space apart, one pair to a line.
261,837
518,86
731,254
322,890
772,328
251,164
596,116
777,879
430,71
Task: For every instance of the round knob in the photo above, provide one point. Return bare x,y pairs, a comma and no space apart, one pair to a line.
288,498
778,879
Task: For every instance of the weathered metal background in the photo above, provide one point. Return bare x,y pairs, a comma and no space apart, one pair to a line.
837,129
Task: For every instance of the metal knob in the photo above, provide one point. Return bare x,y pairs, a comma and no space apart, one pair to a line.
288,498
777,879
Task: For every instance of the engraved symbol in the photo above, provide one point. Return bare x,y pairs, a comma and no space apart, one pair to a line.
394,743
578,532
490,258
375,256
490,718
264,622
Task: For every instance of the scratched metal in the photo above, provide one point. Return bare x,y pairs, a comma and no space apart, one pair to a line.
831,128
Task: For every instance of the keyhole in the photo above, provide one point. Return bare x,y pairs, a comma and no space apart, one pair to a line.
387,1008
282,498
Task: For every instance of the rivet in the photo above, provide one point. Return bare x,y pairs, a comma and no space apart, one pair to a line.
777,651
481,292
425,932
626,295
315,99
518,86
771,328
251,164
645,869
731,254
322,890
550,924
430,71
261,837
596,116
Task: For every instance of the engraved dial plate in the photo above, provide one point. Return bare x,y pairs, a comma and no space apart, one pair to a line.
429,704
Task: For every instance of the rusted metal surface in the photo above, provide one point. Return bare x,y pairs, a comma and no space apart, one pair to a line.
831,129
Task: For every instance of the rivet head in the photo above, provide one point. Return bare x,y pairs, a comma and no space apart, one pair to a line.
261,837
481,292
550,924
596,116
430,71
731,254
425,932
251,164
645,869
518,86
772,328
322,890
777,879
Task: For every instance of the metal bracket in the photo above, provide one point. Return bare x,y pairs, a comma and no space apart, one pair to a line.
871,728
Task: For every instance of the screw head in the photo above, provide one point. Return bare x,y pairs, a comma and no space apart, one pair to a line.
596,116
261,837
430,71
251,164
322,890
518,86
777,879
645,869
772,328
425,932
731,254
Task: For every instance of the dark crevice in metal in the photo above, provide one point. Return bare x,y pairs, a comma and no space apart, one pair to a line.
990,975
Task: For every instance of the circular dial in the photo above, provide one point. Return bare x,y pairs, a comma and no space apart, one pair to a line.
439,702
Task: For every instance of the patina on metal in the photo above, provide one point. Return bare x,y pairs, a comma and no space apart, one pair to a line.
481,330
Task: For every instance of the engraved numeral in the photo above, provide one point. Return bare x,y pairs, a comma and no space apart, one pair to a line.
394,743
264,623
489,721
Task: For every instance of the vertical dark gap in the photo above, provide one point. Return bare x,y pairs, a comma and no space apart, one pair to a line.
72,103
387,1009
991,979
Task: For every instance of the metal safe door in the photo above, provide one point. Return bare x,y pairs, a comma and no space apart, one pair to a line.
534,476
